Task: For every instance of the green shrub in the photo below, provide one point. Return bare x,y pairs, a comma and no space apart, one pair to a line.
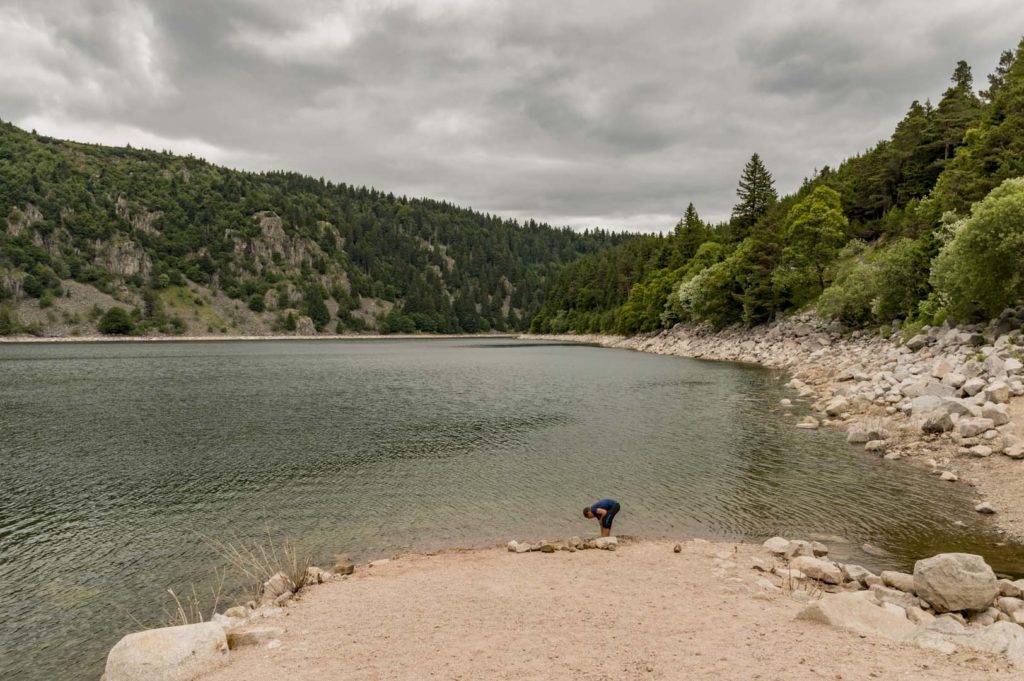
116,321
877,287
980,271
8,321
256,303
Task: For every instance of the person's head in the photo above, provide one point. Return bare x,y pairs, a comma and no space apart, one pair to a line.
587,513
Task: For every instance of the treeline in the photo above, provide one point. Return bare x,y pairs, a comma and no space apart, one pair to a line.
134,222
926,224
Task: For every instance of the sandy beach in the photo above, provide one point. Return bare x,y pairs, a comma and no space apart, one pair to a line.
641,612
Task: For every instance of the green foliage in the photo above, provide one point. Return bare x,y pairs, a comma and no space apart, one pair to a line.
815,230
246,233
980,271
116,322
315,307
878,286
993,150
256,303
776,255
8,321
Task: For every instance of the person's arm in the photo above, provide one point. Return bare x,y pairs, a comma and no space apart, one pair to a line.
600,513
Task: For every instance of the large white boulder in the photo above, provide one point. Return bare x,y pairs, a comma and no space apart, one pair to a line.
168,654
955,581
855,612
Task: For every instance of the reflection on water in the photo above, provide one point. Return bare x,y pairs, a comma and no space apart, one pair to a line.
116,457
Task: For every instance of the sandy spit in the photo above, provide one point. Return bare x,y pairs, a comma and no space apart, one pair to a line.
642,612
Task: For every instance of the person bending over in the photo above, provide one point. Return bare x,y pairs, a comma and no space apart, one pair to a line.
604,511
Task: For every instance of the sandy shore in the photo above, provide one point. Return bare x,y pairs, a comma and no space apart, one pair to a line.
642,612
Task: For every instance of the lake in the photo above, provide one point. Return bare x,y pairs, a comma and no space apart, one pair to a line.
119,461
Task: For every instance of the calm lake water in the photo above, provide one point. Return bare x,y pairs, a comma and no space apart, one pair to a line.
117,458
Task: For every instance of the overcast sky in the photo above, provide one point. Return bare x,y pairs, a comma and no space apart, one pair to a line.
584,113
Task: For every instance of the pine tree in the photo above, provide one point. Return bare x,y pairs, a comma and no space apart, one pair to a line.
690,233
958,110
756,192
994,150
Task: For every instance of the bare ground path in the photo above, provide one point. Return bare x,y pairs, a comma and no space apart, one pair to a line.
642,612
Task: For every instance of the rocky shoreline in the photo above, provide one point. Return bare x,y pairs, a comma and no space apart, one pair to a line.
947,398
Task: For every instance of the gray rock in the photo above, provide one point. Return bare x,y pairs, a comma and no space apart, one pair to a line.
898,580
995,413
998,392
924,404
837,406
1011,589
606,543
343,566
854,612
937,422
860,433
168,654
973,386
1013,366
1009,605
954,380
956,405
985,508
275,587
856,573
798,547
955,581
980,451
776,545
994,365
1015,452
884,594
974,426
876,446
917,342
949,477
818,569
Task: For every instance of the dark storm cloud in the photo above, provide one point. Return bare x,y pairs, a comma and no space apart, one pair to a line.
575,112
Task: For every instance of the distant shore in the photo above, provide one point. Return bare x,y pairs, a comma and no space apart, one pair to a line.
221,338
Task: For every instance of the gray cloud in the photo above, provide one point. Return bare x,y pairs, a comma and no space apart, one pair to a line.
583,113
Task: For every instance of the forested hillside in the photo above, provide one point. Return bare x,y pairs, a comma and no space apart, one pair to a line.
135,241
924,225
